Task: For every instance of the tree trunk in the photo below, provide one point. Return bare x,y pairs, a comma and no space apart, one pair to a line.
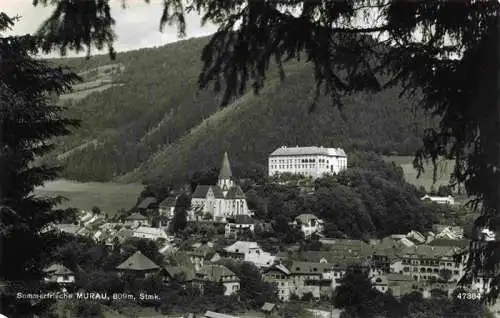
488,105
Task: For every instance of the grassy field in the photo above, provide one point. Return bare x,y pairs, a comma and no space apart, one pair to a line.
445,168
109,197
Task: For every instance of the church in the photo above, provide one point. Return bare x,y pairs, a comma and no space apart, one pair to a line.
221,201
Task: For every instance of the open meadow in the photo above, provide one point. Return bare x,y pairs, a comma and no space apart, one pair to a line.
445,167
109,197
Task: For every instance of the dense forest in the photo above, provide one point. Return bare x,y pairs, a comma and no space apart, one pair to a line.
157,122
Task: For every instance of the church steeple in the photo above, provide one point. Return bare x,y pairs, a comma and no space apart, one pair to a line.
225,175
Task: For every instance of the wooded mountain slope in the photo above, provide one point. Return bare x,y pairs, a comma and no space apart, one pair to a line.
156,123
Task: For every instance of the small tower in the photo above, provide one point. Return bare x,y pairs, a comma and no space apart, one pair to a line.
225,175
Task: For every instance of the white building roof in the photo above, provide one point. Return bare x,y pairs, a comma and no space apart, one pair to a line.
308,151
153,231
261,260
242,247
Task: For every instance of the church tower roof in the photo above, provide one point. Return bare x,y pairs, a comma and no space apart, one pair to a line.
225,171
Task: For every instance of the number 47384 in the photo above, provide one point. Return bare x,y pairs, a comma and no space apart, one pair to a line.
469,296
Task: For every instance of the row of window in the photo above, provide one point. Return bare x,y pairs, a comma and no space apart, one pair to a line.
427,270
307,160
425,262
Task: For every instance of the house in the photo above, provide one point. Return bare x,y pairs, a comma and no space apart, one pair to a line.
138,265
239,225
448,232
147,205
203,254
439,200
167,207
182,275
261,260
399,284
124,234
58,273
279,275
150,233
71,229
428,263
309,224
219,274
311,162
416,237
380,283
136,220
221,201
269,309
241,249
462,244
309,277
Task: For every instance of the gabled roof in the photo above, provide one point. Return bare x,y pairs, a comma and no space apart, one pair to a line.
431,251
186,273
216,273
235,192
448,242
268,307
241,247
204,251
279,267
151,231
309,268
201,191
136,217
225,170
168,201
305,218
144,204
58,269
137,262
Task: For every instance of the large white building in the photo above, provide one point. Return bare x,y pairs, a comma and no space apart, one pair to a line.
307,161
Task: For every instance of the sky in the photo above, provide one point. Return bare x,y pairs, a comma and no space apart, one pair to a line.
136,27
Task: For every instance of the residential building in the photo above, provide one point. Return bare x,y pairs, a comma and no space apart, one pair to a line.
239,225
400,284
309,277
167,207
448,232
221,201
182,275
139,265
150,233
240,249
203,254
307,161
147,205
58,273
279,275
416,237
309,224
261,260
270,309
440,200
136,220
429,263
219,274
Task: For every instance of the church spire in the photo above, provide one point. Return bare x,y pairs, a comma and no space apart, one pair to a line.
225,175
225,171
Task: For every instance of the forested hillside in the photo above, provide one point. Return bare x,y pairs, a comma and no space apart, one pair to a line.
157,123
